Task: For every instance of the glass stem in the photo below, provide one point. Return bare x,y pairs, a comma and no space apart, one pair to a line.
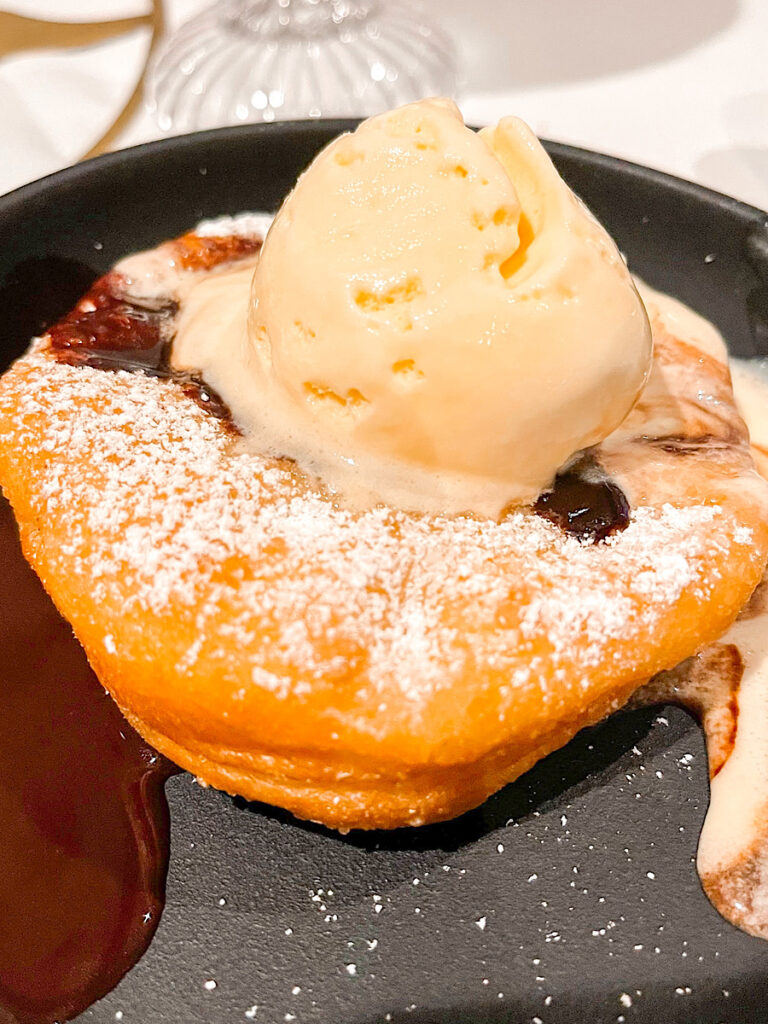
273,18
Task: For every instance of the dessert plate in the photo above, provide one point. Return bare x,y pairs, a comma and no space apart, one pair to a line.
572,894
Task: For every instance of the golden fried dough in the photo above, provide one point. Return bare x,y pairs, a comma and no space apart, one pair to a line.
367,668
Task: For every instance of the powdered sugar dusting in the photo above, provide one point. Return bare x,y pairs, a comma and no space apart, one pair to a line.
261,577
186,518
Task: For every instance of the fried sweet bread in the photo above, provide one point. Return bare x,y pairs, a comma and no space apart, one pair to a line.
364,668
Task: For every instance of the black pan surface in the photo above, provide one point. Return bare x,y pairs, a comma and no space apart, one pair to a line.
572,895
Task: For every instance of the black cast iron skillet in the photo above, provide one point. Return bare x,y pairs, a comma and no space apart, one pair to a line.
570,896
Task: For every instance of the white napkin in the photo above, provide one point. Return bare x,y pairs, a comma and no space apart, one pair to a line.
55,104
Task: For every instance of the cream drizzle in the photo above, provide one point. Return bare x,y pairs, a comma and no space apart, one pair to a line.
726,686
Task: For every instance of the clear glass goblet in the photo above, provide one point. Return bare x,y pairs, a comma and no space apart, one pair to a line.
258,60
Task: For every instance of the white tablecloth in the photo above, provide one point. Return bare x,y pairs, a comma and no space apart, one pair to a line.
681,85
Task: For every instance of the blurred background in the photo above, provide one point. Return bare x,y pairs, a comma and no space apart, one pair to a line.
682,85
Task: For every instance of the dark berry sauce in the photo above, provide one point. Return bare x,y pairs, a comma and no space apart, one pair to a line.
109,329
83,816
585,502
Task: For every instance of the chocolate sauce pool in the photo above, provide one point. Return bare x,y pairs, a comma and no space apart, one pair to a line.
83,818
585,502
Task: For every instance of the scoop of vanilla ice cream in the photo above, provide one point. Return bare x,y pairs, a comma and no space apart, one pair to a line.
436,321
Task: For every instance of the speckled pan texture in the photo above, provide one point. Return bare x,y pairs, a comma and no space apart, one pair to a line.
570,896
